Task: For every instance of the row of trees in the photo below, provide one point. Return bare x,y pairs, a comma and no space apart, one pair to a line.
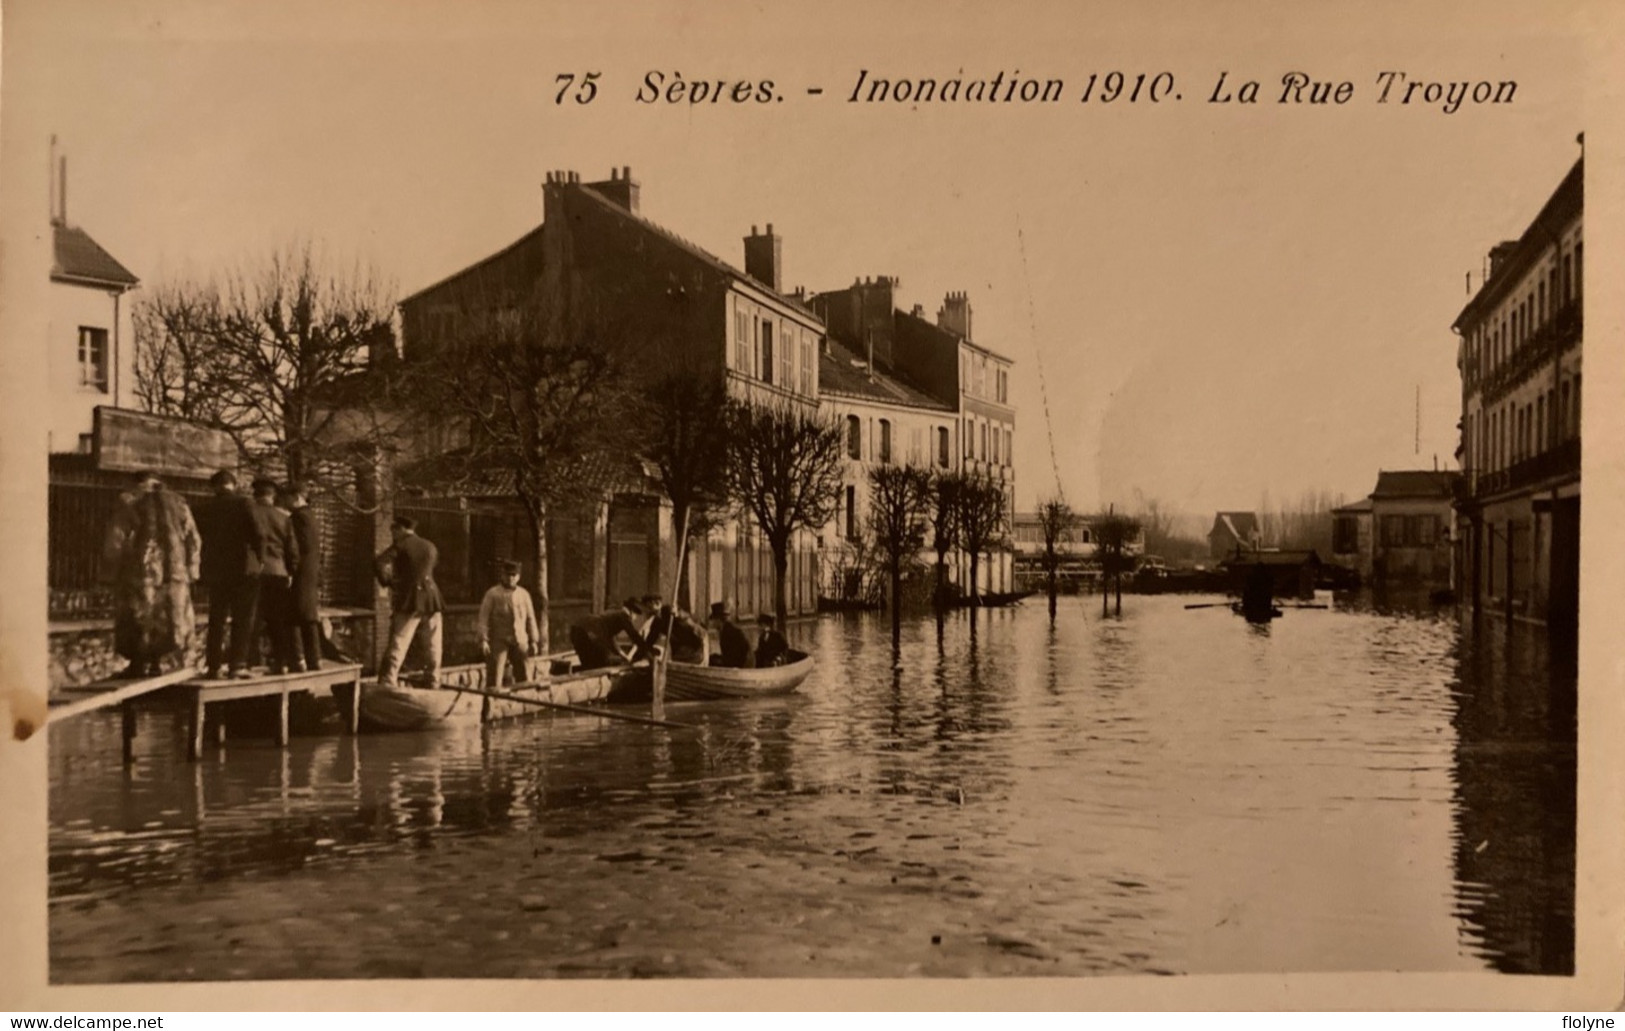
966,512
1113,534
553,402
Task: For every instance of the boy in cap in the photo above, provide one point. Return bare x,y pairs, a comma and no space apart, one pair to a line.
508,630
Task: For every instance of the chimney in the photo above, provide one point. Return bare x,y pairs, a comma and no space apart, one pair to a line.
62,190
918,311
619,189
764,256
954,315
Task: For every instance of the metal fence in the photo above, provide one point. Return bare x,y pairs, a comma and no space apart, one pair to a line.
81,500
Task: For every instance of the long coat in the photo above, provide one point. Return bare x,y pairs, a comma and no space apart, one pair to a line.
228,539
273,542
407,569
151,556
307,575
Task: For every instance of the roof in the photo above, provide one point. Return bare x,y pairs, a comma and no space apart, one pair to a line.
843,373
592,196
79,259
1241,525
1565,202
1417,483
1363,505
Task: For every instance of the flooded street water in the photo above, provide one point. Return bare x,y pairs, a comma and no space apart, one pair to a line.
1170,792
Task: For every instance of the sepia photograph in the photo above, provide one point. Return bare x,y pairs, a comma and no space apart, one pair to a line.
912,494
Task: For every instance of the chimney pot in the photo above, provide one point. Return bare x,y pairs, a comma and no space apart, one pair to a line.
626,172
770,229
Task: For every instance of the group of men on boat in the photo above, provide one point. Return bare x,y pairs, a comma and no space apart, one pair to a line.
257,559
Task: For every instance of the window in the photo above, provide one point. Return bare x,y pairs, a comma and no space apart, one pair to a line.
1009,455
1393,531
1575,429
854,437
93,358
983,452
742,341
1540,424
885,441
1579,271
1540,306
995,446
942,446
1568,280
1345,535
787,360
1563,411
767,351
970,439
1426,530
916,446
807,348
851,512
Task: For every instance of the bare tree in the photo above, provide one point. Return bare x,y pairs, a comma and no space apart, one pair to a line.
945,492
688,415
514,406
785,470
900,500
1113,535
983,521
1055,520
269,354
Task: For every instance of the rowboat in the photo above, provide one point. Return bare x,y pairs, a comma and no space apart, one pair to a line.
690,683
458,699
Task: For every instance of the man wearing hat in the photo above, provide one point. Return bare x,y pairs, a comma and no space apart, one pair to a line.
229,565
277,552
594,637
407,569
508,630
736,649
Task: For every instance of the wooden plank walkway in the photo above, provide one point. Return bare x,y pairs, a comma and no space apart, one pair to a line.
197,694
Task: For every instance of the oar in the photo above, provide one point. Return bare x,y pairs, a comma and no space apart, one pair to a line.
582,709
1212,605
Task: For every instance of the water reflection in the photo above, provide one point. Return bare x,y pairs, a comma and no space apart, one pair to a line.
1165,791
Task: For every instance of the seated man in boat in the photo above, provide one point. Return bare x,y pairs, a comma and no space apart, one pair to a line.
594,637
736,649
508,630
685,637
771,647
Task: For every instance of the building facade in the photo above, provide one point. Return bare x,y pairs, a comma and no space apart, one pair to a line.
597,265
1519,353
912,391
91,340
1233,531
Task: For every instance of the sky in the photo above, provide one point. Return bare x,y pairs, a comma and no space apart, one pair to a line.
1207,304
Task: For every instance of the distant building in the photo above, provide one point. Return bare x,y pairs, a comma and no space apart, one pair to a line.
1413,522
912,391
1520,359
91,342
1232,530
1293,573
1076,553
1352,537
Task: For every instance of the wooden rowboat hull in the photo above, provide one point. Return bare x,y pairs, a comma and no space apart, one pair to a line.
410,707
687,683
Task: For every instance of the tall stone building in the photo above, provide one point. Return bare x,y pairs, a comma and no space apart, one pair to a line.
1520,359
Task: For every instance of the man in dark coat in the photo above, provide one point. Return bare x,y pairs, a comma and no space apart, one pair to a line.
277,552
304,614
736,648
151,557
228,565
593,638
407,569
771,646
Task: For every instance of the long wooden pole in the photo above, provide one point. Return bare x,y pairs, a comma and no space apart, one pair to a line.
582,709
657,707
